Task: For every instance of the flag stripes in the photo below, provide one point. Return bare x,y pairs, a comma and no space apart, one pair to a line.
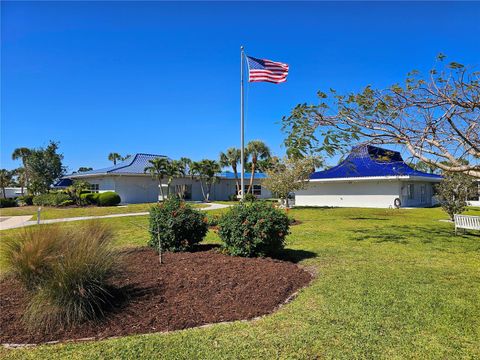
266,70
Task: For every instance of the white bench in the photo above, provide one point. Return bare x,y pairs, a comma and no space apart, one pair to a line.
466,222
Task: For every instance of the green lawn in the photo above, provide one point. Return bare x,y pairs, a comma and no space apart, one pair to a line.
49,212
390,284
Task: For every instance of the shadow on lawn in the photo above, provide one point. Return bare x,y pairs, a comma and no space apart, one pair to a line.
295,255
403,234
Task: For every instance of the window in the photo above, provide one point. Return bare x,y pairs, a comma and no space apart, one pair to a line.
410,191
256,190
423,193
94,188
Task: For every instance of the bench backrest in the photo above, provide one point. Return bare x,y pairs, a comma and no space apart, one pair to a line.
467,222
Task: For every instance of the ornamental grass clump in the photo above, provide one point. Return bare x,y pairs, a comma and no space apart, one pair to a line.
65,271
254,229
176,225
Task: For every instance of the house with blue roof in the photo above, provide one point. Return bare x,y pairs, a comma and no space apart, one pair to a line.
369,177
129,180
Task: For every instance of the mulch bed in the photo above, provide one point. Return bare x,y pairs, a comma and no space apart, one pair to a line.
188,290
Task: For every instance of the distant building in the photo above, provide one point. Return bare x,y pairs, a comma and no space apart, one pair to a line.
369,177
129,180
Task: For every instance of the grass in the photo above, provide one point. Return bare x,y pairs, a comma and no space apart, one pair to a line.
390,284
49,212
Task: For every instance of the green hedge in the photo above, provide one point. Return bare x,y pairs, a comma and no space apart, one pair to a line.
89,198
254,229
51,199
177,225
108,198
4,203
25,200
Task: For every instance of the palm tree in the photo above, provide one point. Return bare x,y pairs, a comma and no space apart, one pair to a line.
184,169
5,180
123,158
231,158
21,177
256,150
171,172
158,171
22,153
207,171
114,157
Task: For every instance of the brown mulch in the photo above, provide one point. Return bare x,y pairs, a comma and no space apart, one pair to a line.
188,290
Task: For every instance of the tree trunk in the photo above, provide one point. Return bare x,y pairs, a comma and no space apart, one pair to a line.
161,188
237,184
252,177
203,189
4,193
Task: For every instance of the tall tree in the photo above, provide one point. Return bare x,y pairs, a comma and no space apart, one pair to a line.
84,169
44,168
171,172
5,180
114,157
158,170
231,158
184,170
207,171
256,150
22,154
21,178
435,118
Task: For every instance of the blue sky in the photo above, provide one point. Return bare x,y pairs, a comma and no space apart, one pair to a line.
163,78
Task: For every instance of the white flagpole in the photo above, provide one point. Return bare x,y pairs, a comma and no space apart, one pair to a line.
242,140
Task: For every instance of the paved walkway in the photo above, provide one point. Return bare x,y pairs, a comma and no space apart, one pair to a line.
12,222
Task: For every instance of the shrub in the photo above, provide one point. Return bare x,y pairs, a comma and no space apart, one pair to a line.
250,197
177,225
4,203
25,200
254,229
65,270
453,192
50,199
108,198
29,255
213,219
89,198
233,197
68,202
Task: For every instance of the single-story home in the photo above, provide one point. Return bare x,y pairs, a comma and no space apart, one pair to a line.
369,177
13,192
130,181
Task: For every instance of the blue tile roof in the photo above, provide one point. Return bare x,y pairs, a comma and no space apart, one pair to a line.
371,161
136,164
63,183
132,165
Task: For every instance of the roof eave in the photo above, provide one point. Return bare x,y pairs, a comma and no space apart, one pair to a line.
376,178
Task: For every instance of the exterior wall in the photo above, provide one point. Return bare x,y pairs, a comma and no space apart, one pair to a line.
373,194
13,192
140,189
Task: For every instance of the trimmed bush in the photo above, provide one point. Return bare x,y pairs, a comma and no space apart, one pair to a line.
108,198
253,229
25,200
89,198
4,203
250,197
177,225
65,270
50,199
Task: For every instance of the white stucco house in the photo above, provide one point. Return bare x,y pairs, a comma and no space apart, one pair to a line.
369,177
129,180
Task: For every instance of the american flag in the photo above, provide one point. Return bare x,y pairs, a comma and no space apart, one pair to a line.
266,70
